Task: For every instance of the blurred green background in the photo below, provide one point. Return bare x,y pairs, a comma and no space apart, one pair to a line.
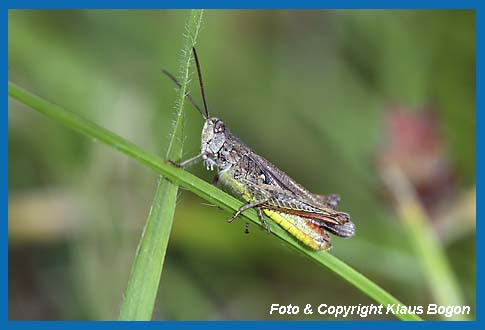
330,97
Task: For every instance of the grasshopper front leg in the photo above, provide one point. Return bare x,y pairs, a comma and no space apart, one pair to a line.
185,162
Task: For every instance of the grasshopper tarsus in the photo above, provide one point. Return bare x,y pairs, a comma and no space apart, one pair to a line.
171,162
246,228
235,215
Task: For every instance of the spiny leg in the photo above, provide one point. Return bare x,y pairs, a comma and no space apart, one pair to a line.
185,162
244,208
263,220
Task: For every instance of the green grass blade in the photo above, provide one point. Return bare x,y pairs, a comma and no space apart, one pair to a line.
202,189
139,298
147,267
428,248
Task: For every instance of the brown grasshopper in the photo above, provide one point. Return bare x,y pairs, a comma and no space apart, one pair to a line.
263,186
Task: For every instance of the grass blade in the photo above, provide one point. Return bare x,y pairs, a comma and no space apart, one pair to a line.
428,248
147,267
202,189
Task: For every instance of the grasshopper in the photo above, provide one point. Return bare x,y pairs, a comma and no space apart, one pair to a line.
263,186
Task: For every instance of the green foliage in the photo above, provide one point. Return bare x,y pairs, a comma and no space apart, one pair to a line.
416,223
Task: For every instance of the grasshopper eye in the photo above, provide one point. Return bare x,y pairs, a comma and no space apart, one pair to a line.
219,126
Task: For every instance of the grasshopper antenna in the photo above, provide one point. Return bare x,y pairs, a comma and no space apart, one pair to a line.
179,85
200,82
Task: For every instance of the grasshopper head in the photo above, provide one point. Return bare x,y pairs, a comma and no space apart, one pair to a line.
213,136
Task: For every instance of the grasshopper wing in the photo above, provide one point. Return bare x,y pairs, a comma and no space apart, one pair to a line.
276,177
287,196
279,199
